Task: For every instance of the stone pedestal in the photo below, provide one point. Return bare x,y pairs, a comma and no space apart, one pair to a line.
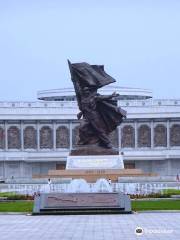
93,162
81,203
89,163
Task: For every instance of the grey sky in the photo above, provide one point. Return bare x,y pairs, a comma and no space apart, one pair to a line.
137,41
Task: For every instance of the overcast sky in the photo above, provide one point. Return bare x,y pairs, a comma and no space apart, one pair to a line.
137,41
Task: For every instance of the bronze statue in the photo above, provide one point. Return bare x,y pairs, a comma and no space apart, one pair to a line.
100,113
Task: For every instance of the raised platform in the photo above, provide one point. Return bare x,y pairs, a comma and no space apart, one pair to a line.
81,203
93,175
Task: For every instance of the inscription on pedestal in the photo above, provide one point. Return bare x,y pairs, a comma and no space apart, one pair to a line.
81,200
95,162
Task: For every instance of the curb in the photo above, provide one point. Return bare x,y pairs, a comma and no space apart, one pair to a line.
15,213
154,199
157,211
133,212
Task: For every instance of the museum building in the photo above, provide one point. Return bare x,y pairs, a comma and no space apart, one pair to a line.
36,137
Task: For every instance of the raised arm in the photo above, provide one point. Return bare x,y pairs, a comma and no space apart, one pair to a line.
107,97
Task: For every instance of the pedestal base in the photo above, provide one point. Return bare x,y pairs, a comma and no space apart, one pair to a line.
93,175
93,150
81,203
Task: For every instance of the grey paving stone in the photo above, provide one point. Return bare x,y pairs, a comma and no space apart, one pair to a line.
90,227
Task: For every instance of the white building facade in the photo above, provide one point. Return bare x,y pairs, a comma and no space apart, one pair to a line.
36,137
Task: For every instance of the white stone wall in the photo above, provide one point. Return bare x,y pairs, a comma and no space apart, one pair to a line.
146,166
175,166
21,170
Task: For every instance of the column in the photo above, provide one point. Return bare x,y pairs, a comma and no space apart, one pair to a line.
136,136
54,135
70,135
38,138
152,134
168,134
6,135
22,134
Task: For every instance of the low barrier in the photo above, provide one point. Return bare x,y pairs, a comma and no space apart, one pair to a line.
127,188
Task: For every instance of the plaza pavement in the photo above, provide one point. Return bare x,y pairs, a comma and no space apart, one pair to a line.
159,226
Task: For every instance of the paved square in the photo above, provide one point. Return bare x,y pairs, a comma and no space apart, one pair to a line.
92,227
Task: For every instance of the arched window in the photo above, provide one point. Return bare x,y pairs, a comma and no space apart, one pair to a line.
144,136
30,138
127,137
160,136
46,137
175,135
14,138
62,137
2,138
